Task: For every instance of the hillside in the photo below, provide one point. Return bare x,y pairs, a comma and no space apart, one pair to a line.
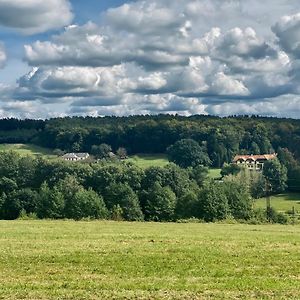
28,149
221,137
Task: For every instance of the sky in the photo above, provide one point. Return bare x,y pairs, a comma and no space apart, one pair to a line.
116,57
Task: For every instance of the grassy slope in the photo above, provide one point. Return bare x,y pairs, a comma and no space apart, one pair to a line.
282,202
160,160
27,149
215,173
110,260
148,160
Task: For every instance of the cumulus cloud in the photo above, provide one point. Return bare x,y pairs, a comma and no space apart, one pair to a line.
288,33
2,56
35,16
185,56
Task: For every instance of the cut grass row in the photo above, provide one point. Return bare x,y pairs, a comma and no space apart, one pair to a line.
111,260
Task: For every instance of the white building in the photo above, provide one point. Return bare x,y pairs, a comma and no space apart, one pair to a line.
75,156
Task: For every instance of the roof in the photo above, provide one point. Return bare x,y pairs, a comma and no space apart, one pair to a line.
76,155
255,157
82,154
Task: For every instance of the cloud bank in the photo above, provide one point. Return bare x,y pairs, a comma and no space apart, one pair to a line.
185,56
35,16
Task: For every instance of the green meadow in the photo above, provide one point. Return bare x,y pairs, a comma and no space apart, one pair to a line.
283,202
148,160
28,149
111,260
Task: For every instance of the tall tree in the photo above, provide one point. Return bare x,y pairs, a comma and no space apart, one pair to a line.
188,153
160,203
276,175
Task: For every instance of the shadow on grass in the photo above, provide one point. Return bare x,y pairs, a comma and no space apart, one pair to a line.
289,197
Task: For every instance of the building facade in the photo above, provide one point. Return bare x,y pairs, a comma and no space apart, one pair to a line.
253,162
75,156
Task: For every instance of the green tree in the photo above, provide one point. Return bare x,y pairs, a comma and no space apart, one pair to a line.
7,185
160,203
87,203
50,203
69,187
213,203
199,174
186,205
27,199
11,206
276,175
101,151
9,164
188,153
294,179
239,198
122,153
123,195
230,169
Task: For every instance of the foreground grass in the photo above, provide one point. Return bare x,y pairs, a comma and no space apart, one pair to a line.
110,260
28,149
283,202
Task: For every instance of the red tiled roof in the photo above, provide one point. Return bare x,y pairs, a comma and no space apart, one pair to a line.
255,157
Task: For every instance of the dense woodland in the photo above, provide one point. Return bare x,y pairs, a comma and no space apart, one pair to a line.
222,137
119,190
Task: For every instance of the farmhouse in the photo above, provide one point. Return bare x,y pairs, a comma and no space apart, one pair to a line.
253,162
75,156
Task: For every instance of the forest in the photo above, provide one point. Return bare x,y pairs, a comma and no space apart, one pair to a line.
36,187
120,190
221,137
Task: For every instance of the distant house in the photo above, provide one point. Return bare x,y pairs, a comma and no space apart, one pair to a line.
253,162
75,156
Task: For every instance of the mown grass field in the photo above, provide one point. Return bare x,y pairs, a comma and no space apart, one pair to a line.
283,202
28,149
160,160
214,173
111,260
148,160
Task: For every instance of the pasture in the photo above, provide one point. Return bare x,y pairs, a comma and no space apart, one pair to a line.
111,260
283,202
148,160
28,149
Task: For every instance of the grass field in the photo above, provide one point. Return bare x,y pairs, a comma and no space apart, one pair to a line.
282,202
27,149
148,160
110,260
214,173
160,160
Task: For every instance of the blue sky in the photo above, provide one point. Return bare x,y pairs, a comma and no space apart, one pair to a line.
84,11
94,57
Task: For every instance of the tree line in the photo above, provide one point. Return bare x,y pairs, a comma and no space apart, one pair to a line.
221,138
122,191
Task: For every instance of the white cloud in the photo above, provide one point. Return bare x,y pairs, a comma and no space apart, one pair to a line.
2,56
288,33
35,16
185,56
